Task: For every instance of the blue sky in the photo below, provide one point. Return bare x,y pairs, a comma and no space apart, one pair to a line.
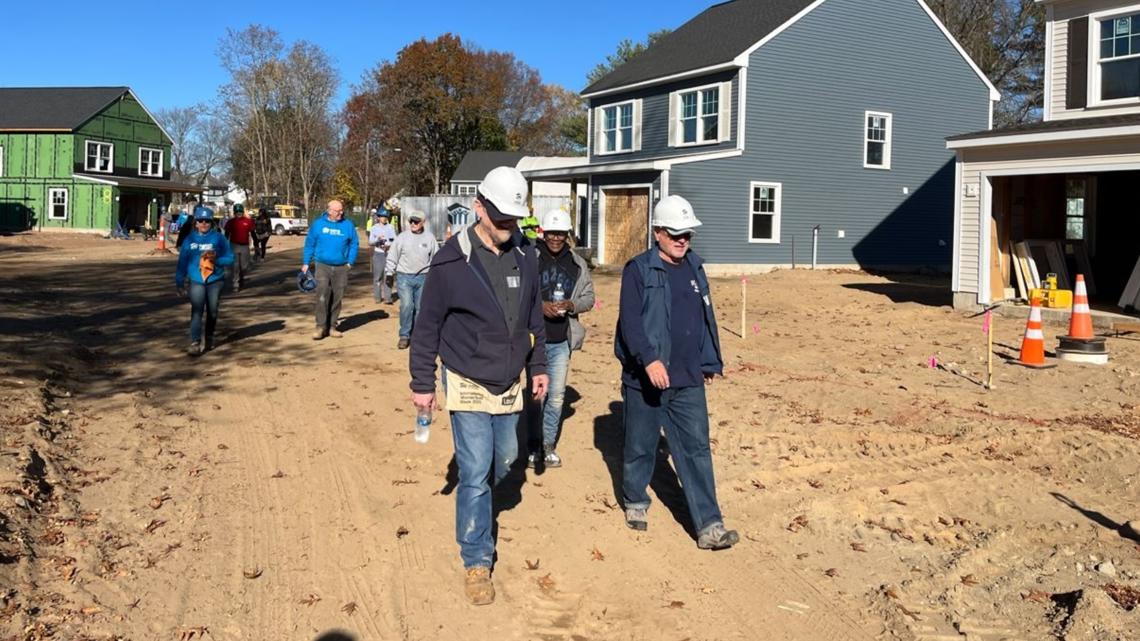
167,51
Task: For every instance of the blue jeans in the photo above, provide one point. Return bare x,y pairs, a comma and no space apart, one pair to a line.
557,367
409,287
683,412
204,298
483,443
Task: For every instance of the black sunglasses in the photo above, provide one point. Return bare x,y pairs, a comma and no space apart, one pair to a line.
687,236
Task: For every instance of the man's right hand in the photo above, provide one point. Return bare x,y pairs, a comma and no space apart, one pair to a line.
304,269
423,401
550,310
658,375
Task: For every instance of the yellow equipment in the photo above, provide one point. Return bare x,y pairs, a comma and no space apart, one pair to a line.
1051,296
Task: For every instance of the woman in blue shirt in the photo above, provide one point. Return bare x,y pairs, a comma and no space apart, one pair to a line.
201,261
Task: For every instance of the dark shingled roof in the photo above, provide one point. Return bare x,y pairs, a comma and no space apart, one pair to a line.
717,35
27,108
476,164
1068,124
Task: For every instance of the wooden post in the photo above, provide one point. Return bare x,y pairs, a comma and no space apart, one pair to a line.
743,306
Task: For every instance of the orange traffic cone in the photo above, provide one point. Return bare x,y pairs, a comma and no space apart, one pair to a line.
1033,345
1080,324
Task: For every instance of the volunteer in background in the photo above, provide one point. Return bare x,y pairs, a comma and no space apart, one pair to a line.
332,242
202,260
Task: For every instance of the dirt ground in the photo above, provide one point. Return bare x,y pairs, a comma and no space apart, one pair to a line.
272,488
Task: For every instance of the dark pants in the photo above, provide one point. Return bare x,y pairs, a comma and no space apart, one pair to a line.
683,412
204,298
331,281
259,244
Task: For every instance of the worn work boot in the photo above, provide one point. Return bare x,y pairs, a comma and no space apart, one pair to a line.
195,348
478,586
404,342
531,459
635,518
552,459
318,335
336,333
716,537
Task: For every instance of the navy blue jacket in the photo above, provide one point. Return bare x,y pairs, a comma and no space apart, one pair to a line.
460,321
643,330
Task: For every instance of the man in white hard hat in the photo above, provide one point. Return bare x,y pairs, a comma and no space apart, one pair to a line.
669,348
567,290
481,315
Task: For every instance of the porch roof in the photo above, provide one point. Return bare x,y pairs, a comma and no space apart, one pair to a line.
1050,131
156,184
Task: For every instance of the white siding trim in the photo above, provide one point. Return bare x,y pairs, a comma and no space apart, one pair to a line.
984,214
956,246
776,218
741,108
637,111
1048,99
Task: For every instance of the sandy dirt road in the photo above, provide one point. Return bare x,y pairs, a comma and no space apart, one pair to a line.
272,489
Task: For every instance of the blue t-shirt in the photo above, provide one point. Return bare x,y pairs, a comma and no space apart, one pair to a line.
686,325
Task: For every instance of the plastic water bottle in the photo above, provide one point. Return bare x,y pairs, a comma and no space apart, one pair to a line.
559,296
423,425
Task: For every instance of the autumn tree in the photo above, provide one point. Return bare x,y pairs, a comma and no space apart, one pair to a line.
440,99
200,148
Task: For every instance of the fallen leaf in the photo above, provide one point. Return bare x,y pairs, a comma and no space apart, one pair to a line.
546,583
802,555
402,532
798,523
758,485
815,483
312,599
404,482
884,491
188,634
278,475
676,605
832,572
134,604
597,554
858,547
251,574
897,501
154,525
349,608
1037,596
969,580
223,446
157,501
89,517
891,592
532,565
92,609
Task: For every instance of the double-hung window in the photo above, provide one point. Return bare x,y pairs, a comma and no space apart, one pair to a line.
877,140
764,212
57,204
1117,42
617,128
700,116
98,157
465,190
150,162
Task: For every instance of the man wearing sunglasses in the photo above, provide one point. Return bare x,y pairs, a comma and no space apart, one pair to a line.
482,317
669,348
409,259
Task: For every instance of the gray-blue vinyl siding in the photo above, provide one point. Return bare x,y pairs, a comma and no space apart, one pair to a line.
807,91
655,120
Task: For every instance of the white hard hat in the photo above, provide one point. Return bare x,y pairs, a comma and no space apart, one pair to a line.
506,189
675,214
556,220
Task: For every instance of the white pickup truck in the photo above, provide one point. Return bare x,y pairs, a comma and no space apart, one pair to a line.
286,219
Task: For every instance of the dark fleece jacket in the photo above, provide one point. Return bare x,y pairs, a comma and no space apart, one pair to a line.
462,323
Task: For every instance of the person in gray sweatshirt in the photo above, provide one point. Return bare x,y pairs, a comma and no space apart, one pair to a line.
409,258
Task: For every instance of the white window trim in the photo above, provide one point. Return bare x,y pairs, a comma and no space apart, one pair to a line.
1,161
161,160
776,216
51,203
1093,73
676,96
601,142
110,164
887,144
465,190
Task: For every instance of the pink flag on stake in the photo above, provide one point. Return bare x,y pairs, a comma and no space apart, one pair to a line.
598,304
933,362
756,328
986,322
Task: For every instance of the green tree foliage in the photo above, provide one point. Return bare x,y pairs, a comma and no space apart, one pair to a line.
626,49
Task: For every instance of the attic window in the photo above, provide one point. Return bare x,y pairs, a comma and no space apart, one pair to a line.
99,156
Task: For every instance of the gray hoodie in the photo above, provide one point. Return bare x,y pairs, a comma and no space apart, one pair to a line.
411,253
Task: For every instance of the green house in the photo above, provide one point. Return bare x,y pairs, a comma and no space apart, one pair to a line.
81,159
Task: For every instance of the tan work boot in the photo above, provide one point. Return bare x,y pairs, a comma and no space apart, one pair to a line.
478,586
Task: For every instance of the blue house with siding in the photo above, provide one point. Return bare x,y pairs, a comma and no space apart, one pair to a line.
780,120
